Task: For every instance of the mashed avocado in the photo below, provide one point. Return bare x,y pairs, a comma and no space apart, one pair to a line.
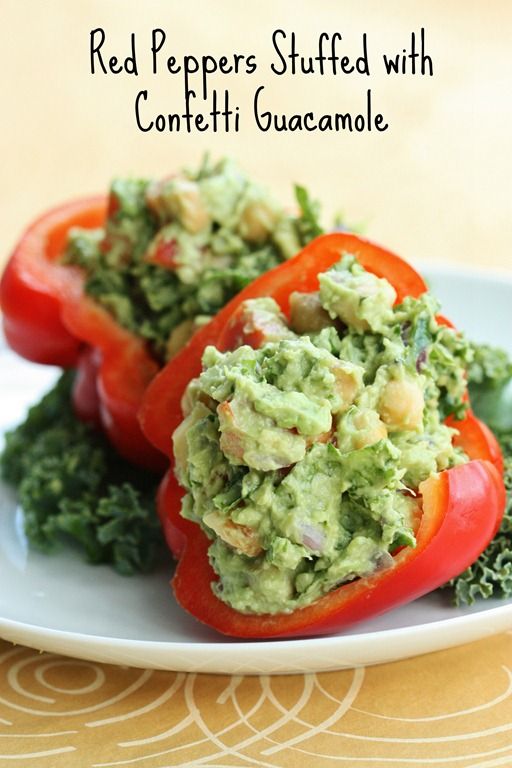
302,458
173,252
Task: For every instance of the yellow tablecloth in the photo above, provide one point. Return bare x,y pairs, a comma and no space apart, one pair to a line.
435,186
448,708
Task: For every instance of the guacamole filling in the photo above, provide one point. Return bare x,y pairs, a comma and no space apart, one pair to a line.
302,458
173,252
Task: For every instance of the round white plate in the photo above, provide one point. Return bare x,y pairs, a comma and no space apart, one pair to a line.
60,604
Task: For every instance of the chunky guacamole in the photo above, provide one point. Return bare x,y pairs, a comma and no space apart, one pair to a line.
302,458
173,252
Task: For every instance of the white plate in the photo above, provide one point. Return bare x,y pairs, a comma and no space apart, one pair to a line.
63,605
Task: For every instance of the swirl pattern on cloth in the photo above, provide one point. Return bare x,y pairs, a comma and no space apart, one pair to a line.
450,708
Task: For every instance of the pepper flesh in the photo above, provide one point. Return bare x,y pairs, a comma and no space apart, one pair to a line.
48,319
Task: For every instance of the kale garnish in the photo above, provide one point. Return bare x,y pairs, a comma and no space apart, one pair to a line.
72,484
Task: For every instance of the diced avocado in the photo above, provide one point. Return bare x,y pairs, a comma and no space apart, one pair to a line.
358,298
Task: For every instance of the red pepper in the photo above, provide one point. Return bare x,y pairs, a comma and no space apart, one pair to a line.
175,528
476,439
48,318
461,511
86,401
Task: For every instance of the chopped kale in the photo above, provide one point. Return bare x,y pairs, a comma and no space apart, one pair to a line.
309,220
490,384
72,484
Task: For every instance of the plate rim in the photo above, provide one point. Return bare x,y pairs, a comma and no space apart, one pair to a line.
249,657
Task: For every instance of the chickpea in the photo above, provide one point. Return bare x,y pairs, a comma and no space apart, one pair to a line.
402,404
307,314
348,383
192,212
370,429
231,440
183,201
240,537
257,221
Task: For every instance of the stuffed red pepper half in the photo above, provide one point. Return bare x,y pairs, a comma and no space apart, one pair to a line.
115,287
326,464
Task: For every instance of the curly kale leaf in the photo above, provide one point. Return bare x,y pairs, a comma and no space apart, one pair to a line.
54,410
490,387
491,366
72,485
